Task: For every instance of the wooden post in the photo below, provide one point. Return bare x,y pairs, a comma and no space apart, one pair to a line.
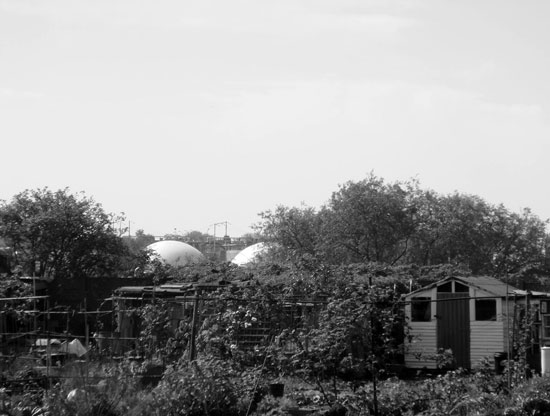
527,334
192,345
86,328
372,346
48,345
373,369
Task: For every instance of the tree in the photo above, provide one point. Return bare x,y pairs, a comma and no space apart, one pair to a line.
522,243
196,236
59,235
369,220
139,242
251,238
400,223
489,239
295,229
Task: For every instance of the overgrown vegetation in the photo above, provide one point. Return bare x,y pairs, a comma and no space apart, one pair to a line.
210,386
323,317
401,224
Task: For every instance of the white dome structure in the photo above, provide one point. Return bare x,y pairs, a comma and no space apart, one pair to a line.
175,253
251,254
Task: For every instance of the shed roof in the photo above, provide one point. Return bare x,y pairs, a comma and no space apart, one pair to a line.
534,294
489,284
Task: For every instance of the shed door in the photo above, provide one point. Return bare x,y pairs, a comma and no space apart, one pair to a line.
453,326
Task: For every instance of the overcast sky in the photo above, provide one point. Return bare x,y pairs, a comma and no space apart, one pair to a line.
184,113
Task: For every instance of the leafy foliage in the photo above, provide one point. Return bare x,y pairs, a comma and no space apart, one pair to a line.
60,235
400,223
12,287
357,338
330,315
95,390
369,221
155,327
139,242
204,387
296,229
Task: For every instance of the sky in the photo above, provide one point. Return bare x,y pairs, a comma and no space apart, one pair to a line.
188,113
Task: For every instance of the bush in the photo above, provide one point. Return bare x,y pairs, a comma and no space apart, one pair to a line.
275,406
93,390
203,387
532,397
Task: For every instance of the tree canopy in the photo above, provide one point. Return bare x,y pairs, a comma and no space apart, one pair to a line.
400,223
139,242
57,234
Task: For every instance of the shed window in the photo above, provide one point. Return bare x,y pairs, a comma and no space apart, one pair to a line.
421,309
460,288
445,287
546,326
486,310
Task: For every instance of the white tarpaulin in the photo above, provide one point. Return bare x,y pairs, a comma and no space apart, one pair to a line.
74,347
44,342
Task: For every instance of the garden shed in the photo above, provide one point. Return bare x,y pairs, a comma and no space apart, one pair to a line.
471,316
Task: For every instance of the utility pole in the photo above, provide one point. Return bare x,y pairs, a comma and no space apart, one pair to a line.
220,223
215,225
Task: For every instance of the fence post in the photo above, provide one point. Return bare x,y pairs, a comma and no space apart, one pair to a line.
193,347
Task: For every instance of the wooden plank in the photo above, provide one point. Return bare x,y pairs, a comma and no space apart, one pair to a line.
487,338
423,345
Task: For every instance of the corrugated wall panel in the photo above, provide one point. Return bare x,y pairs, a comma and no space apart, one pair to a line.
424,343
486,339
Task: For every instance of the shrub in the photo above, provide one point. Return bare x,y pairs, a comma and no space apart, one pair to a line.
274,406
533,396
93,390
203,387
395,398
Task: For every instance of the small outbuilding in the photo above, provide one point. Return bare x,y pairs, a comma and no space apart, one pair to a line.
471,316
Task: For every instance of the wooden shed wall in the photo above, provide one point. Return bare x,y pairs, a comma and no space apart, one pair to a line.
424,342
424,336
486,338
